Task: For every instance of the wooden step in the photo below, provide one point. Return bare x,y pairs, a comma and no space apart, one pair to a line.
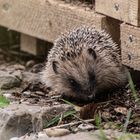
47,19
124,10
130,46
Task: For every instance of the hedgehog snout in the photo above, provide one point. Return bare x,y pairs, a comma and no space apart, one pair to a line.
89,93
91,96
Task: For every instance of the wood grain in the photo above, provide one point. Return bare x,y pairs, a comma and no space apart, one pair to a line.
130,46
124,10
45,19
28,44
33,45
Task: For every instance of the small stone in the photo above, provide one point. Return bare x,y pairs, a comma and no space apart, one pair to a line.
39,93
19,67
41,134
56,132
18,74
14,138
106,115
9,81
106,126
26,93
122,110
84,127
88,9
7,95
30,63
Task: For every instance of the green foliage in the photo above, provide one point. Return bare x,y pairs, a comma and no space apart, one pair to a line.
3,101
98,120
57,118
127,120
132,86
67,102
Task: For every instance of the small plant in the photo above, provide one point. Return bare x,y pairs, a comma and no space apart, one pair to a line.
132,87
57,118
3,101
127,121
98,120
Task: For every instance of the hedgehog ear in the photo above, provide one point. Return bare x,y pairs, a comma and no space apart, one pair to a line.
55,66
92,52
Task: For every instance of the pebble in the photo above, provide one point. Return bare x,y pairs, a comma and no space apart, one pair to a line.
7,95
14,138
18,74
30,63
84,127
56,132
41,134
9,81
19,67
26,93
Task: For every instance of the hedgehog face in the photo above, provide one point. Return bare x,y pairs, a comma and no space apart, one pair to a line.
83,63
75,78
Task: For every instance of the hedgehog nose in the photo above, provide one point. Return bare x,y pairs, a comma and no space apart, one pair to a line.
91,96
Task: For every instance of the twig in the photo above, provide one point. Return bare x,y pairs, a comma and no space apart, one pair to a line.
83,121
60,120
105,102
74,123
56,96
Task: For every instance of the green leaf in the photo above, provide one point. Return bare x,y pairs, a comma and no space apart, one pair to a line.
132,86
127,120
3,101
98,120
57,118
67,102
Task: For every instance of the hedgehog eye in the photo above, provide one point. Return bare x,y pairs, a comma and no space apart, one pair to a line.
55,66
92,52
74,84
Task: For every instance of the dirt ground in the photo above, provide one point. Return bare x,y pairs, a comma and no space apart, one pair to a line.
121,111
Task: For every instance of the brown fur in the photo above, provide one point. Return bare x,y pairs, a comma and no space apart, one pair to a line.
93,75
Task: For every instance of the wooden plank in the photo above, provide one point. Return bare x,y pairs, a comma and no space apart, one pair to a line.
124,10
130,46
46,19
28,44
33,45
112,26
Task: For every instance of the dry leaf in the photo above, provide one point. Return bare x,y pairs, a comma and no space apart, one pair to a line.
88,111
122,110
106,115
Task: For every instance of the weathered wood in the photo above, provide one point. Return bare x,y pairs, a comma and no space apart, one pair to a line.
33,45
130,46
46,19
124,10
28,44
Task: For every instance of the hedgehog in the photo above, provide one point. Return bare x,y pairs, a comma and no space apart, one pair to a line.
84,64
